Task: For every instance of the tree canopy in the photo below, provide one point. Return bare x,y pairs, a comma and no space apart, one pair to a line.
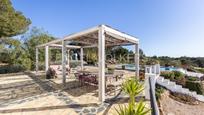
31,40
12,22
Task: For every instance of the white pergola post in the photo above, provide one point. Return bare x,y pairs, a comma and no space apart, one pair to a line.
68,58
46,58
36,58
101,62
81,58
128,59
137,60
63,63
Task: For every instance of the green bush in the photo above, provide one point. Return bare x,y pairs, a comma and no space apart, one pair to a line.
50,74
178,75
111,70
41,66
123,67
175,76
168,75
11,69
181,81
158,91
74,64
133,88
190,78
195,86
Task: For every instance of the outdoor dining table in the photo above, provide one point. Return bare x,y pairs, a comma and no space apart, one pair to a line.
112,80
107,75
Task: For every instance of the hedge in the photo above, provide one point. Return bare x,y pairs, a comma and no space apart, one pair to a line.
11,69
195,86
175,76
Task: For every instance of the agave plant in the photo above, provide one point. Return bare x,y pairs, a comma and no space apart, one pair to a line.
136,109
133,87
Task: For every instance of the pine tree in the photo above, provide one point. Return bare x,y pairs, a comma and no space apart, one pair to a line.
12,22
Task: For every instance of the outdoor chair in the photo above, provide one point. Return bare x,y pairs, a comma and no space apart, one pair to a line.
119,75
58,69
113,82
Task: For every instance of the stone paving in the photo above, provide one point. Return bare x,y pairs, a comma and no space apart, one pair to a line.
25,94
60,96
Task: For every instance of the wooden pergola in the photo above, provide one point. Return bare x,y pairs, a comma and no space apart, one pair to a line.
98,37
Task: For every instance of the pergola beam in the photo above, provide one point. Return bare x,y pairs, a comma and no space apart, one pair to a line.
82,42
120,35
82,33
67,46
51,42
118,44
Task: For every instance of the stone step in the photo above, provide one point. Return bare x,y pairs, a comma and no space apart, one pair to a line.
194,93
172,83
178,87
172,86
166,81
185,90
200,97
160,79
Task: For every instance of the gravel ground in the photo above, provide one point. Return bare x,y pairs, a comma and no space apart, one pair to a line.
170,106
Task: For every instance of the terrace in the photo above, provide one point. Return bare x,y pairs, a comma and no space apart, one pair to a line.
84,89
100,37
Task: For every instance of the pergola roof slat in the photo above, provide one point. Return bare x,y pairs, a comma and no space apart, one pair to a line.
67,46
90,37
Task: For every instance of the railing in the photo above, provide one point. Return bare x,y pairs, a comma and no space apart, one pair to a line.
155,109
152,69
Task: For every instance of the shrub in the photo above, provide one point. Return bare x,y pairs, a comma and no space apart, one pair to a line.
195,86
181,81
111,70
136,109
41,66
168,75
11,69
202,78
123,67
74,64
190,78
51,73
178,74
158,91
175,76
133,87
183,97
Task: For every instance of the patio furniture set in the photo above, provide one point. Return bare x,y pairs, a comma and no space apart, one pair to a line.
113,81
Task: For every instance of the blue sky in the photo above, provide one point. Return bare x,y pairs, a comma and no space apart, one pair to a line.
164,27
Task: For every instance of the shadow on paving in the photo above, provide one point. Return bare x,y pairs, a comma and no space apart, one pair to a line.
78,90
24,89
46,108
46,85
